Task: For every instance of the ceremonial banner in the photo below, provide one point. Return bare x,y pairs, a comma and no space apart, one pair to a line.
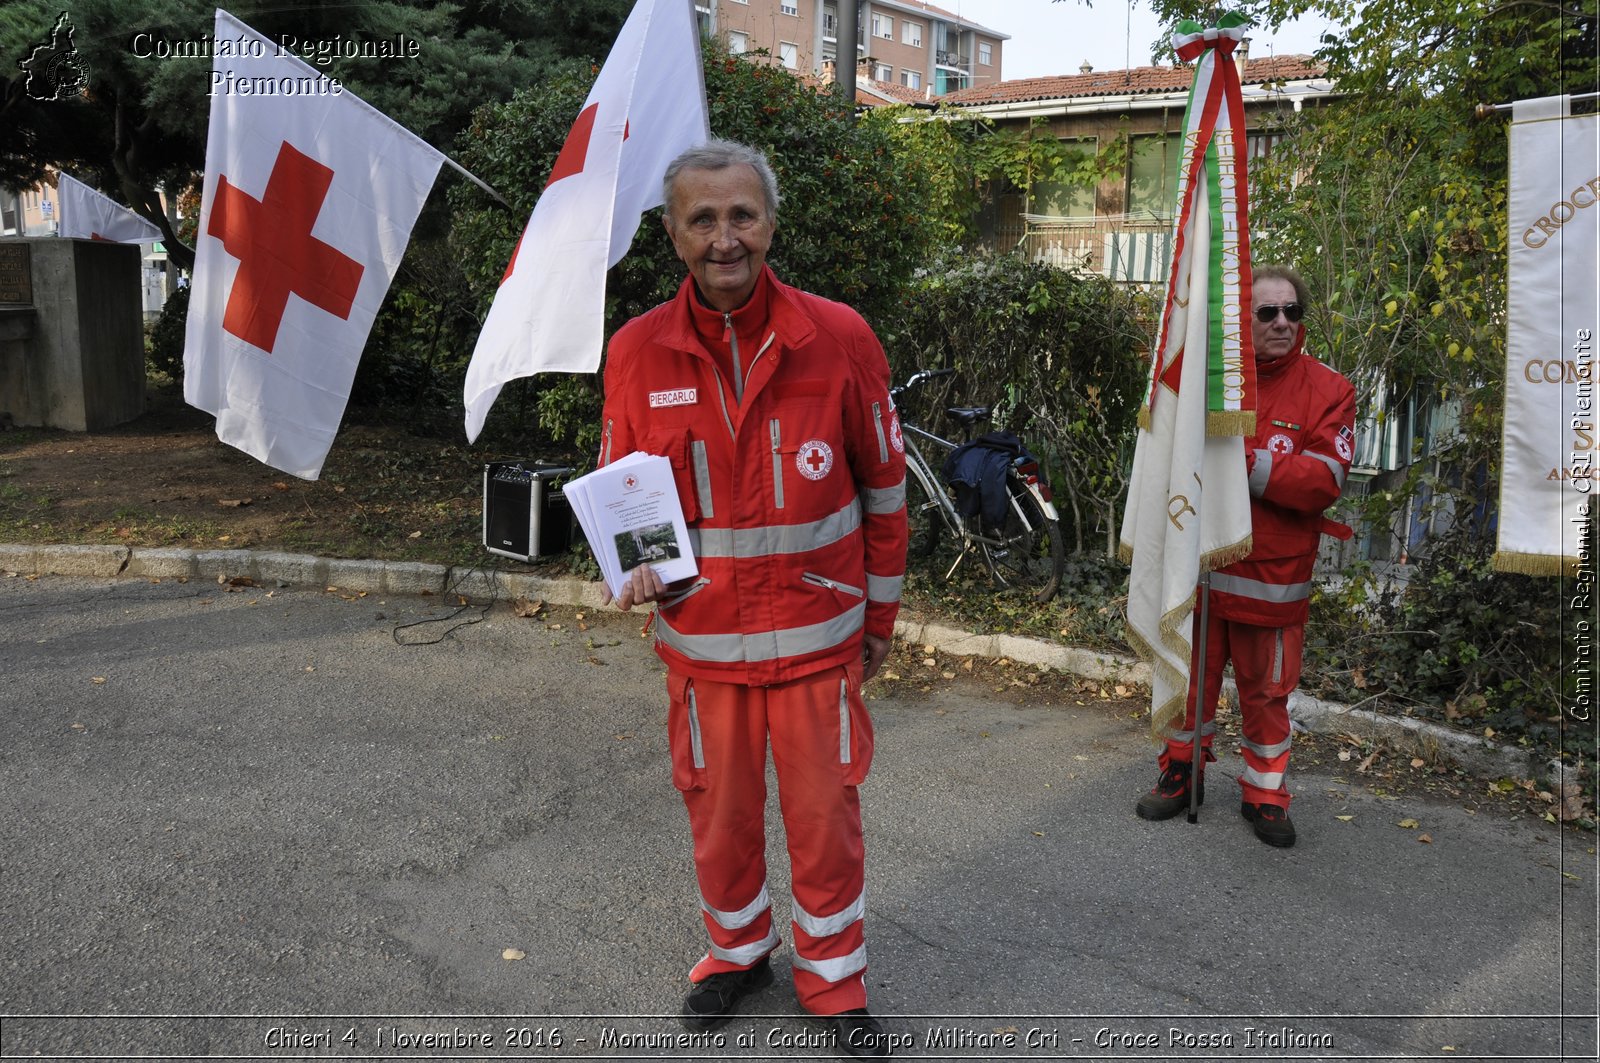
1189,499
647,106
89,215
1547,476
310,196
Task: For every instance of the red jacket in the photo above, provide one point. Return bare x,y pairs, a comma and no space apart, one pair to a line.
1298,458
792,481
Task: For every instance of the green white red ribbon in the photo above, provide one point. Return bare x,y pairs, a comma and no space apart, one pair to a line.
1212,177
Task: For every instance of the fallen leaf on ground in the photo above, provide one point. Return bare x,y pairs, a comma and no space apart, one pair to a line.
1344,754
414,535
241,581
97,680
1344,819
1365,764
1409,824
233,503
1417,762
513,954
1425,839
525,608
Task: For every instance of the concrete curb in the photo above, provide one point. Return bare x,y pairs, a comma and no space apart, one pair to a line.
1477,755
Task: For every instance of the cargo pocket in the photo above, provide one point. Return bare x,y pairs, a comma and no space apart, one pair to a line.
673,444
855,728
1283,673
683,735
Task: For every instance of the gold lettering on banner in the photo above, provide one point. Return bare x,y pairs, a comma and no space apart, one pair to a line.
1182,507
1541,371
1562,211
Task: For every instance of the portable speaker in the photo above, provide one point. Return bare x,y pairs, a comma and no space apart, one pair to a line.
525,515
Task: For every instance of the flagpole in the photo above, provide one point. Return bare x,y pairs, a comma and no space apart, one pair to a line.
464,172
1489,110
1199,699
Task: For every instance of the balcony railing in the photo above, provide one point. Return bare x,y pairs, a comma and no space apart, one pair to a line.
952,59
1129,250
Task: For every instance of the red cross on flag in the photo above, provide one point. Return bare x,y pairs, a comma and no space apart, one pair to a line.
647,106
310,196
90,215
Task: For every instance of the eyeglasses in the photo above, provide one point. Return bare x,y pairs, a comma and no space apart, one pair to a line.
1269,313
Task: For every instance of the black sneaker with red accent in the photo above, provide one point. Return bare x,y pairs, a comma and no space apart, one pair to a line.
1271,823
712,1002
1171,794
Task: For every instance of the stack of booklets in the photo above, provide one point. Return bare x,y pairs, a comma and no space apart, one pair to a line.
630,513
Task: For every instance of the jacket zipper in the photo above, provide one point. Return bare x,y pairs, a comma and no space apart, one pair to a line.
693,589
777,465
738,371
605,449
877,423
832,585
695,749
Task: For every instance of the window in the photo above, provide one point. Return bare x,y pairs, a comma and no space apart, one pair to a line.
1152,175
911,33
985,53
883,26
830,22
790,7
789,54
1066,199
911,79
882,72
738,42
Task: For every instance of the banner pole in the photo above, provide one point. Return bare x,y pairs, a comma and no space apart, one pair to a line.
1489,110
1196,752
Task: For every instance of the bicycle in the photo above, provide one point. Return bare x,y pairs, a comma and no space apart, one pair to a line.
1026,552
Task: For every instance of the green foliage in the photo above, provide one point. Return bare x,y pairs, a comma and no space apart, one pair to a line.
1459,642
850,227
163,342
1058,354
965,159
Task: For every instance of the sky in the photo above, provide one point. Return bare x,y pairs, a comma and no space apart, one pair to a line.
1055,38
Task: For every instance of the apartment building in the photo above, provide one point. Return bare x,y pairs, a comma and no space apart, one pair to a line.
907,43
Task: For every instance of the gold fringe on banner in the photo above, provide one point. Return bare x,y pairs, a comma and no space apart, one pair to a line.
1532,564
1231,423
1144,416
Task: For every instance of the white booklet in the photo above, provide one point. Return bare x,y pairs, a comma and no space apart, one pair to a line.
630,513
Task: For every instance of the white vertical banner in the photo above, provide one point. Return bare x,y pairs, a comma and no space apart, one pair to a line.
1547,476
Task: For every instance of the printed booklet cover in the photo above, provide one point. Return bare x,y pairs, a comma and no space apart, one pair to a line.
630,513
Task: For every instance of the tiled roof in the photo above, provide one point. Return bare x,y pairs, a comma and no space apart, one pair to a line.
895,92
1143,80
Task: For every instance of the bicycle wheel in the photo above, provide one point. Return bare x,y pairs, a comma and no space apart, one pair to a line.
1033,555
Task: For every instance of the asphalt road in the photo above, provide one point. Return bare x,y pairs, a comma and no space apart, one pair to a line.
242,824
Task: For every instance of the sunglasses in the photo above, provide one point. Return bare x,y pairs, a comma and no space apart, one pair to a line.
1269,313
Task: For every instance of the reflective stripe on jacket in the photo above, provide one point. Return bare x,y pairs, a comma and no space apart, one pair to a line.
793,481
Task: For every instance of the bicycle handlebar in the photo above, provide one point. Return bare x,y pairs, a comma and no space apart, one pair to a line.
921,376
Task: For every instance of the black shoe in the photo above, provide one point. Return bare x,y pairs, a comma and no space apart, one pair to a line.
711,1003
859,1035
1171,794
1271,823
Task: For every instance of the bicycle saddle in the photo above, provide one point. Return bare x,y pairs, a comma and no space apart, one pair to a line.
967,416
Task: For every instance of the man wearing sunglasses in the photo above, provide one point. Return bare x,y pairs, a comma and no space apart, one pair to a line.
1297,461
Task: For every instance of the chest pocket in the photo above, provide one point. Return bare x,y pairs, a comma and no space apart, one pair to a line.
691,472
803,435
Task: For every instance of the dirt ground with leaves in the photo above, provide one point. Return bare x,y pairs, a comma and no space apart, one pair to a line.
165,480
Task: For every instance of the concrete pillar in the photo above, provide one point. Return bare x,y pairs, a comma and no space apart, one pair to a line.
71,333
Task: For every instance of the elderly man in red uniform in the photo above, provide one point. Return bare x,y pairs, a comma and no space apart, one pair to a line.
773,406
1297,461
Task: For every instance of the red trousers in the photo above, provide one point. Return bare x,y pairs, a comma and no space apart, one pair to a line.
1266,669
821,741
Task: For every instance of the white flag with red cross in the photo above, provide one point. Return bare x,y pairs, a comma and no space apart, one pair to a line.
647,106
89,215
310,196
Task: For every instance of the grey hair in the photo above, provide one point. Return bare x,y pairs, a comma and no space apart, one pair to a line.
1302,294
717,154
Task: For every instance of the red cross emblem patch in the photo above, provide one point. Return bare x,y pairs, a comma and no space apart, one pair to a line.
278,256
815,459
1280,444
